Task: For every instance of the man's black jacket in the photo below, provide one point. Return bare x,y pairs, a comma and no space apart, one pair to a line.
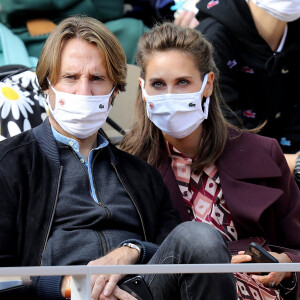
30,174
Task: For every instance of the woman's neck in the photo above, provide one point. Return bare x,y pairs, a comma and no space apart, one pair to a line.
189,146
269,28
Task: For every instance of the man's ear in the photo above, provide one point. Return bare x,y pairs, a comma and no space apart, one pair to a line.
114,95
115,92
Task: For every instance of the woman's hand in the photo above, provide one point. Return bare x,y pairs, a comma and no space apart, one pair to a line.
273,278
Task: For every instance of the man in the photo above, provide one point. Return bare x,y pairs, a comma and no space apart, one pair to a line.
68,197
257,46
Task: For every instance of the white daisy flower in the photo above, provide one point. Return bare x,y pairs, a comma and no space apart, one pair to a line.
29,78
14,100
13,128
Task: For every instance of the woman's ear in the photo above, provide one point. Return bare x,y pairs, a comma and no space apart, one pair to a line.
141,82
209,85
142,85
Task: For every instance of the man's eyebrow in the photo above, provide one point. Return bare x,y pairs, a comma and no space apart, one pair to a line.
98,74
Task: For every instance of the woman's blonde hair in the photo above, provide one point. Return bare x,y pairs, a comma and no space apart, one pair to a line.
145,139
92,31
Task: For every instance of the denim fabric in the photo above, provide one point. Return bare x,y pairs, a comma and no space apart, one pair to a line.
192,243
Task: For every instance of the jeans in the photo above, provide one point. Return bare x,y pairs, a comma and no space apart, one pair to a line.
192,243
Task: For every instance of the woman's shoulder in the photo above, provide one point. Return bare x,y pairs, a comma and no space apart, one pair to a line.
240,137
251,146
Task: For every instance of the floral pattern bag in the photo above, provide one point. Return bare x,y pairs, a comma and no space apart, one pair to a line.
22,104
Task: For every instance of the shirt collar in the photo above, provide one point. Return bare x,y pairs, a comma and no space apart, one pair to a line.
101,141
279,49
209,171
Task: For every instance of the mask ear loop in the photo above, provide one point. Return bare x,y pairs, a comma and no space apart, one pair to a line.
144,93
113,97
206,105
207,100
47,100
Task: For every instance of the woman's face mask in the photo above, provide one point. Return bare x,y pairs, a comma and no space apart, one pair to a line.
80,115
177,115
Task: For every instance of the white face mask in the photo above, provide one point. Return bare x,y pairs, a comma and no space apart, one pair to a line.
284,10
177,115
80,115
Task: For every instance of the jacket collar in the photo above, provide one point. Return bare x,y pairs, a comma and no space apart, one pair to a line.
251,163
246,175
45,138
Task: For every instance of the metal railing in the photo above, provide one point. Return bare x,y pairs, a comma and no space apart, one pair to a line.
81,275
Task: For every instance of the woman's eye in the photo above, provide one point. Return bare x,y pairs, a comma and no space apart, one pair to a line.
157,84
183,82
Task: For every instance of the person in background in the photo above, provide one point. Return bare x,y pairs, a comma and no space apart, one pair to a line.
72,198
33,23
257,46
236,181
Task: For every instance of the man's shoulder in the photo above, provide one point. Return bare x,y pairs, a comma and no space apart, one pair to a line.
16,143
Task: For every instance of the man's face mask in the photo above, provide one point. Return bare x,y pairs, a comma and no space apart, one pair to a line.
177,115
80,115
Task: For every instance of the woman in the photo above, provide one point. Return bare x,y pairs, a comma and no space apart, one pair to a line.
236,181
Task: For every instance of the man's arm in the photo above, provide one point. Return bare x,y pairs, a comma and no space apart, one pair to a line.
291,160
226,58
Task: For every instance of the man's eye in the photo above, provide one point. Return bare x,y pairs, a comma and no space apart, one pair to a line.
97,78
69,77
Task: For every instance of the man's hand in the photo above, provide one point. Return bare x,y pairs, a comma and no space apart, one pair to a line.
186,19
273,278
104,286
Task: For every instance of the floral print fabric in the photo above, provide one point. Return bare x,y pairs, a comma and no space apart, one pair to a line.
22,105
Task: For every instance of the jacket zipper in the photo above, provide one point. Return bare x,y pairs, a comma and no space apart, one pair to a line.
53,213
96,191
98,198
132,200
104,245
102,237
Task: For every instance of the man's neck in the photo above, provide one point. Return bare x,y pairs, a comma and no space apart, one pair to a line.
85,145
269,28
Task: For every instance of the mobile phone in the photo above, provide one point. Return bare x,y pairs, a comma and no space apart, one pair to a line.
137,287
259,254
